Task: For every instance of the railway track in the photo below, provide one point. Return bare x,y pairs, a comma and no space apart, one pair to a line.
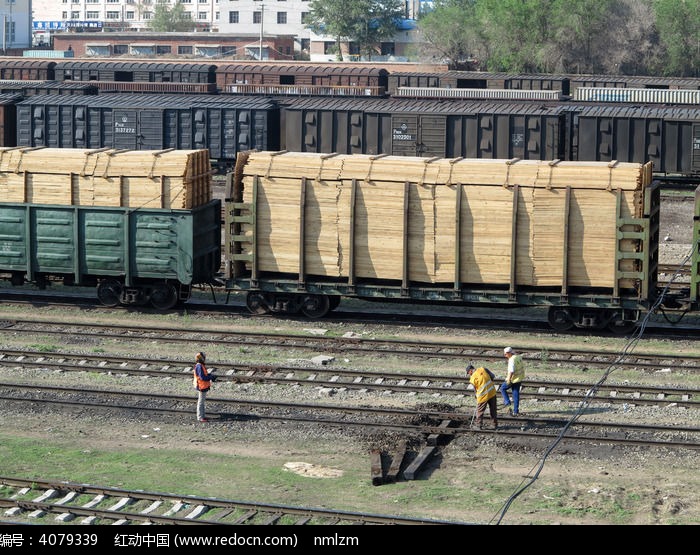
317,376
44,501
419,422
216,302
462,351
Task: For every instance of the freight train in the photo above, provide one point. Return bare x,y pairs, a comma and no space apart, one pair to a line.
579,238
301,231
312,78
350,109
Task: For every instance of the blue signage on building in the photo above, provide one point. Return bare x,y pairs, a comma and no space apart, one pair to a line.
58,25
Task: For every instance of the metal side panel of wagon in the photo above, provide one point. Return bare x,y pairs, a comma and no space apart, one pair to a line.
133,256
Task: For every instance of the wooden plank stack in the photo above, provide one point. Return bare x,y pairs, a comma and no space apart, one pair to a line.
493,193
172,179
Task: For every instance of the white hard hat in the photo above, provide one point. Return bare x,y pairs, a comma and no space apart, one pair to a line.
507,350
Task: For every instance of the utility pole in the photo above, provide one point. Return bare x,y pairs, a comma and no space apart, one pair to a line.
262,16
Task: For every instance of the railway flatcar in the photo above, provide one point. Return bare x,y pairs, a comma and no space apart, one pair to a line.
224,126
140,227
304,230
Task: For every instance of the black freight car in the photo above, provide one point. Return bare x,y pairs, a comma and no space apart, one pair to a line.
31,88
225,126
426,128
668,136
8,119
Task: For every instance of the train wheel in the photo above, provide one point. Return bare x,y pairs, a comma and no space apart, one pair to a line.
109,292
163,297
621,327
256,303
560,319
315,306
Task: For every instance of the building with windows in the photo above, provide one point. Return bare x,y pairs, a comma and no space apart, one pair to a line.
114,15
17,26
144,44
288,17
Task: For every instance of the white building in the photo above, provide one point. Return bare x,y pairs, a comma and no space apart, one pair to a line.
116,15
288,17
17,24
274,17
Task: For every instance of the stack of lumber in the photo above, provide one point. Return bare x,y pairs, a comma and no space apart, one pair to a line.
169,179
505,206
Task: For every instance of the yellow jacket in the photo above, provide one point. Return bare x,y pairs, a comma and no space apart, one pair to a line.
483,385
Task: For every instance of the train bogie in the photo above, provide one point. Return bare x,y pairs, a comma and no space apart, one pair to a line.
581,238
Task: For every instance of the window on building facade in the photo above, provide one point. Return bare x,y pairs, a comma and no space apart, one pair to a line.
75,15
163,49
304,16
121,49
233,17
257,17
129,16
64,15
92,15
203,1
305,44
10,31
96,50
113,1
147,15
186,1
184,50
281,17
388,49
216,16
113,15
203,15
329,47
92,1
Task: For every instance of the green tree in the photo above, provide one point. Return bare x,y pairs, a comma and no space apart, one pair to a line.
366,22
166,19
678,23
450,32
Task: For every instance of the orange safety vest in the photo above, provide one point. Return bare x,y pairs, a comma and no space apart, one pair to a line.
483,385
199,383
